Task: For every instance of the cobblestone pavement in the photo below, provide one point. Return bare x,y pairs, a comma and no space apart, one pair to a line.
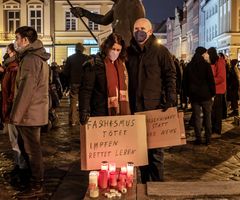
218,161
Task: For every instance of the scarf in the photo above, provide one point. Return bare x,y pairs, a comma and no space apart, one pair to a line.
117,85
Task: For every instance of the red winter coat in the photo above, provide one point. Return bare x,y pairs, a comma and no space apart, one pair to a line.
8,86
219,73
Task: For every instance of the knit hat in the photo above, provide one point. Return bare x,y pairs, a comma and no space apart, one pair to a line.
200,50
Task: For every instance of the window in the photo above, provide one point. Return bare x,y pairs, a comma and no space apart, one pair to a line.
94,50
13,20
239,19
89,42
70,21
216,30
213,32
93,26
35,17
207,35
71,50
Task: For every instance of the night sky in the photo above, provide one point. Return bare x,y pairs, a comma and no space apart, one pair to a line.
157,10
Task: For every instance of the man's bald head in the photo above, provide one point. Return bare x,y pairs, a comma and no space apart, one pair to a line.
140,26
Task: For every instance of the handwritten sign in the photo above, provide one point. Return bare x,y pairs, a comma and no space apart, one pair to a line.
163,128
118,139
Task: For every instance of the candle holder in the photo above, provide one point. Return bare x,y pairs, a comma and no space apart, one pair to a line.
112,167
104,165
93,179
103,179
130,169
113,179
123,174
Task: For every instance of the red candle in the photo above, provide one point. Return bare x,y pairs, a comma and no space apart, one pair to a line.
129,181
103,179
113,179
121,185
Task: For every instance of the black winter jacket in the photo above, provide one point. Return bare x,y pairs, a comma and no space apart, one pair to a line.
152,76
93,91
73,68
198,80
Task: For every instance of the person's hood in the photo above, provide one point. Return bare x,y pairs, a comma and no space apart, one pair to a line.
35,48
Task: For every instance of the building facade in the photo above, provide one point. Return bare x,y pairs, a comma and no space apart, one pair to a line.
56,26
16,13
177,34
222,26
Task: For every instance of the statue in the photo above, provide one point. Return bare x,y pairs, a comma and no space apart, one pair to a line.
122,16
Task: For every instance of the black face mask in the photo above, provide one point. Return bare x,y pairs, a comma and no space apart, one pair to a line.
140,36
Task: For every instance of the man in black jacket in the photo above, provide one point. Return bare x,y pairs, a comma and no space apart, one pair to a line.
199,86
152,84
73,73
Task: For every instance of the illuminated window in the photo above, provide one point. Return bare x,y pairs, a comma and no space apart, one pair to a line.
94,50
71,50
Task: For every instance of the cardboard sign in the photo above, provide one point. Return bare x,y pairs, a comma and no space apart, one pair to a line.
164,129
118,139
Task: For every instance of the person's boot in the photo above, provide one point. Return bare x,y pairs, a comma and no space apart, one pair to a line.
35,189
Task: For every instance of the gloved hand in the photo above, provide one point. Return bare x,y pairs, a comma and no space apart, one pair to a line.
84,117
77,11
166,106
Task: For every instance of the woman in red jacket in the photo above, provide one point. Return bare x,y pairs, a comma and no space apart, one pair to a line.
219,72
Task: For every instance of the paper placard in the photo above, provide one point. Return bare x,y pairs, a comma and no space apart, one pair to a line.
118,139
163,128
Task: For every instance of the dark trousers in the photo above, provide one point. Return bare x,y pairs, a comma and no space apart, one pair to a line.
73,114
154,170
206,107
224,106
30,146
217,112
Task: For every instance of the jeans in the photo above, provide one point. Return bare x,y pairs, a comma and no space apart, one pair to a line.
29,143
13,137
73,114
206,107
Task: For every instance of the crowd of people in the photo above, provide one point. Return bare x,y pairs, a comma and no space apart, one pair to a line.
120,80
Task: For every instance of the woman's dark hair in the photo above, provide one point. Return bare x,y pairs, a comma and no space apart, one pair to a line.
110,41
234,62
11,47
221,55
28,32
213,55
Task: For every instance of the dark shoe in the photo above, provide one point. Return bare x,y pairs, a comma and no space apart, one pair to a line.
207,142
34,190
197,142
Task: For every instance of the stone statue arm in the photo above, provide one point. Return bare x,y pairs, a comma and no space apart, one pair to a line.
96,18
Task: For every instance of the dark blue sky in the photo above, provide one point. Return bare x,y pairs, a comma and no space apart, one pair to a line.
157,10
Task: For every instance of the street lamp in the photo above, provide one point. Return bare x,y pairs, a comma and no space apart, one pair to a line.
159,41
